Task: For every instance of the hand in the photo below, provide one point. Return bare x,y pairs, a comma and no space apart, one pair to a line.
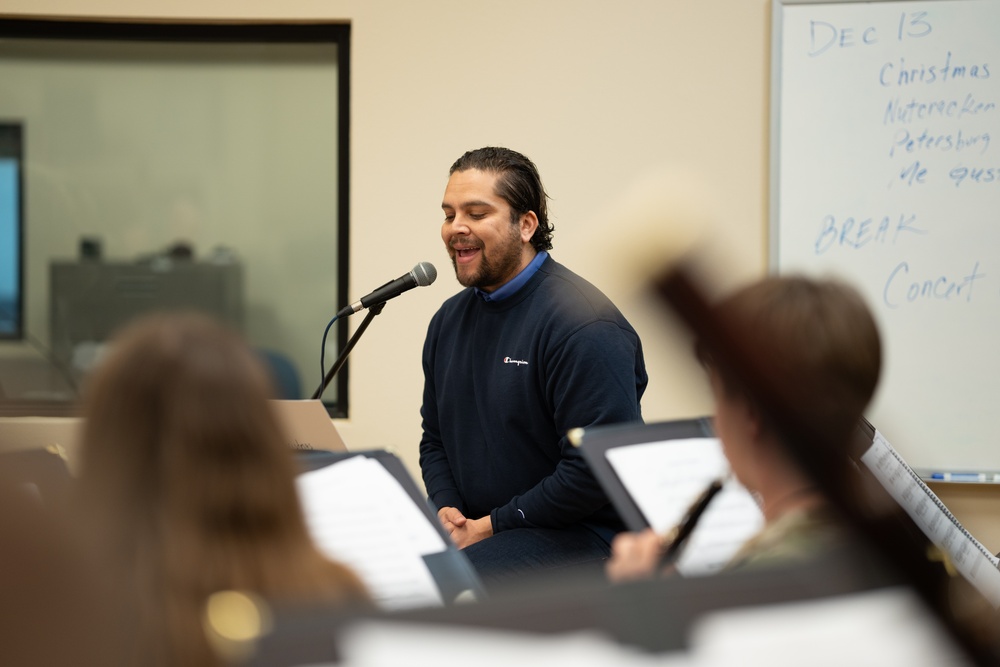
634,556
464,531
451,519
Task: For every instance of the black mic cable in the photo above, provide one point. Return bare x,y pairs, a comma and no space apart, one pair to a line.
421,275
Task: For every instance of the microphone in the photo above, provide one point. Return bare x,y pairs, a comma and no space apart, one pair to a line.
421,275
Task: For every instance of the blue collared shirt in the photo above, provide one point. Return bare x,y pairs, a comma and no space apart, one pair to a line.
517,282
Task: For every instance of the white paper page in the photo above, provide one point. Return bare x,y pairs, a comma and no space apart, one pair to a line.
877,629
359,515
382,644
940,526
665,477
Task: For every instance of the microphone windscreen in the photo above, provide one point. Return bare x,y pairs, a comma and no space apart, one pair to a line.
424,273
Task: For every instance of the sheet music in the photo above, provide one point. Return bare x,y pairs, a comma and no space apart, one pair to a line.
884,627
387,644
665,477
969,557
360,515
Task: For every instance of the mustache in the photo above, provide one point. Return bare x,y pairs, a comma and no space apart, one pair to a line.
465,243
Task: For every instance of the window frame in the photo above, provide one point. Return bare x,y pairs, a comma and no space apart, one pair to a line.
336,32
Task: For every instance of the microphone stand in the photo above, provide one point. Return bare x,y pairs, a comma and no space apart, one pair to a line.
372,312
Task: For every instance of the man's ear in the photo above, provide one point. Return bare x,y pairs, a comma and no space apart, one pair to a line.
528,224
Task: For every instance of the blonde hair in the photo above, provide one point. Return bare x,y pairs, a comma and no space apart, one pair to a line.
188,485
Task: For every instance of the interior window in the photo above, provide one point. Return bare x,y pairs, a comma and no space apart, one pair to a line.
177,166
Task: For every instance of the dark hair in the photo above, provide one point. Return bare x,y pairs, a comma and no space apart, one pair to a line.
518,184
817,336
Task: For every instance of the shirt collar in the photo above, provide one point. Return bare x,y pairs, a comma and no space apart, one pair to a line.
515,283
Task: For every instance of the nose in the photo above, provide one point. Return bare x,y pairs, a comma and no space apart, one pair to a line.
458,225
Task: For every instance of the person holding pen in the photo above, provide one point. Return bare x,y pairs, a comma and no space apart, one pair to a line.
819,337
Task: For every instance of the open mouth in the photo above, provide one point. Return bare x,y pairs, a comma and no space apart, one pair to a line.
465,254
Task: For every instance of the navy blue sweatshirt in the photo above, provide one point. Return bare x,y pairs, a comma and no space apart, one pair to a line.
503,383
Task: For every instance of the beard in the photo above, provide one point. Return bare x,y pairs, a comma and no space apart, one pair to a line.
495,268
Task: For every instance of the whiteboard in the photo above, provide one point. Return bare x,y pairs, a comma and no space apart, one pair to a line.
885,171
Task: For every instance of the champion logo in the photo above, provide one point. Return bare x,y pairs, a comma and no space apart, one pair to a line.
519,362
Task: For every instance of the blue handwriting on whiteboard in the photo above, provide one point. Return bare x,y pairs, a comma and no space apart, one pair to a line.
914,173
823,35
913,25
961,174
899,289
907,112
901,74
857,232
925,141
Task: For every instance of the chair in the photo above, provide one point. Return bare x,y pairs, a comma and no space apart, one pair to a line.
40,473
284,374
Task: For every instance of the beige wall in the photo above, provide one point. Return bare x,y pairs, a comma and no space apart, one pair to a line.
597,93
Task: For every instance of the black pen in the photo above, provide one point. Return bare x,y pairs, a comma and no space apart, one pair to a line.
674,540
